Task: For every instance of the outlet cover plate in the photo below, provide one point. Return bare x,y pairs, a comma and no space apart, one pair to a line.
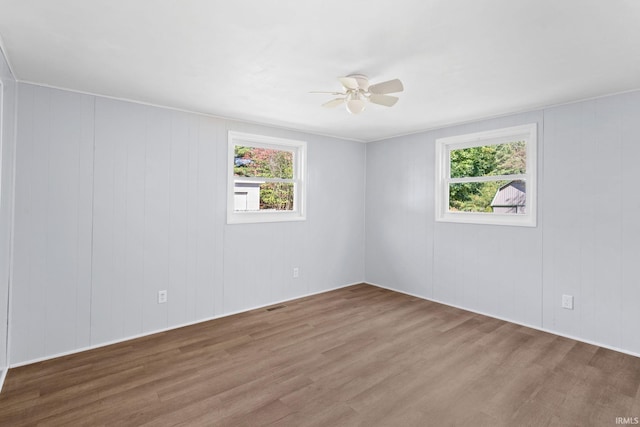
162,297
567,302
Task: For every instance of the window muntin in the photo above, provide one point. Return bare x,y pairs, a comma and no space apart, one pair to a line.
265,179
487,177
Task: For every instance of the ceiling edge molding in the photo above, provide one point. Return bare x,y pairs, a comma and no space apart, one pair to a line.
199,113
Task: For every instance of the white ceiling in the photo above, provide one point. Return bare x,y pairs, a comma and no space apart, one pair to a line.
256,60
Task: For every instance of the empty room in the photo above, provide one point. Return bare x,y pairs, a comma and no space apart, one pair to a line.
319,213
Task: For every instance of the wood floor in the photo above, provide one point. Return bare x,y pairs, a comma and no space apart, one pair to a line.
359,356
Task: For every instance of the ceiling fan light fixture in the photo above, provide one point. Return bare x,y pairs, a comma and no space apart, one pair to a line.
355,106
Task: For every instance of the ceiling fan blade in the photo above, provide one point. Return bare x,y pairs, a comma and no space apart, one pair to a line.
386,100
391,86
349,82
334,103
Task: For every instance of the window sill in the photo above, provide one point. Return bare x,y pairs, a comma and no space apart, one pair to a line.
260,217
488,219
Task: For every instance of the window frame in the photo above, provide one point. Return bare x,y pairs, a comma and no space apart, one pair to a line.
443,148
298,148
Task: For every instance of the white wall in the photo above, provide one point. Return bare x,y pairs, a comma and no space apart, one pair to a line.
592,237
51,292
8,85
117,200
586,242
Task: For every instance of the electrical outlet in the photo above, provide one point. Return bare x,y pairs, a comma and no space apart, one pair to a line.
162,297
296,272
567,302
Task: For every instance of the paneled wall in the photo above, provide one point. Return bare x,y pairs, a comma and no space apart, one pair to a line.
592,229
586,243
117,200
154,219
468,265
7,147
50,291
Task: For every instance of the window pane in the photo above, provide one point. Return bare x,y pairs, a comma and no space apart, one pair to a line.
277,196
262,162
261,196
506,197
489,160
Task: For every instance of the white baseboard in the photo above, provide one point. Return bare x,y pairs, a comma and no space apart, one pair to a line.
144,334
538,328
3,373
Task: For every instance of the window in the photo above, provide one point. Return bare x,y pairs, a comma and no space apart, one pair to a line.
487,177
266,179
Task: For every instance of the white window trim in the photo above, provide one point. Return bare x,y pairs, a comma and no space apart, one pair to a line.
444,146
299,148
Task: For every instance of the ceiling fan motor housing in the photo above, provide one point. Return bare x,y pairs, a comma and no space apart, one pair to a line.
363,81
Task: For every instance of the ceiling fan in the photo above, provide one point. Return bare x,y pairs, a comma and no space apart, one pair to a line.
357,92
